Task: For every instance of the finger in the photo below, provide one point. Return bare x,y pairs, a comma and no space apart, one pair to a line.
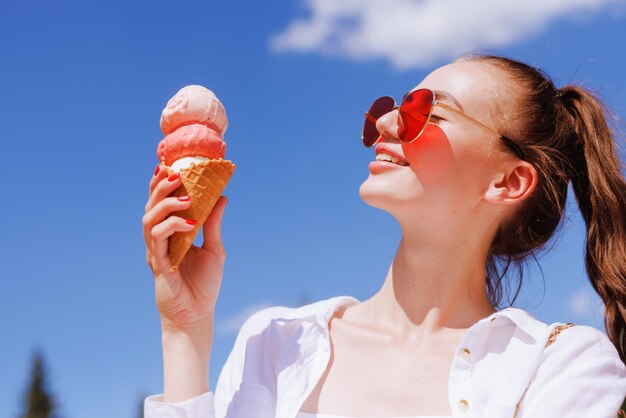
212,228
160,235
163,189
159,173
161,211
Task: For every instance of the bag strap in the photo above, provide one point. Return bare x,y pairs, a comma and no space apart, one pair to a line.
551,339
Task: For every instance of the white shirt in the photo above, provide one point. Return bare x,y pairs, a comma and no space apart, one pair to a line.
311,415
281,353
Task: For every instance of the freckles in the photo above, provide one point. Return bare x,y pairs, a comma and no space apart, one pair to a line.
430,155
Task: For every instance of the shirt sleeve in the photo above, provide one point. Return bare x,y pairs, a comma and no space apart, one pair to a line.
198,407
580,375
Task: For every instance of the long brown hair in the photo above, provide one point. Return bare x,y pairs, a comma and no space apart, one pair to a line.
565,135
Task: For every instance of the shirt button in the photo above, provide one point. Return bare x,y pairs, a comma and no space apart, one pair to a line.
466,354
463,405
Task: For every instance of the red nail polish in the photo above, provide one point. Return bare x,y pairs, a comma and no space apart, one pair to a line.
190,221
173,177
158,168
184,198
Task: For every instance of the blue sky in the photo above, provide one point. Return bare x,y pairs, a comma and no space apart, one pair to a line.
83,85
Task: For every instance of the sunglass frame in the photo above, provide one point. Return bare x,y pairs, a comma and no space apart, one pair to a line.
372,119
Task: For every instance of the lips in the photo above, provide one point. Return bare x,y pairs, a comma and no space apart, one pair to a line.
382,148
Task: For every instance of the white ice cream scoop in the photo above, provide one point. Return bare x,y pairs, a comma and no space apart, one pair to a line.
194,104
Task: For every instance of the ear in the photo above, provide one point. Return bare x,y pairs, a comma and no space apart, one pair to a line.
513,185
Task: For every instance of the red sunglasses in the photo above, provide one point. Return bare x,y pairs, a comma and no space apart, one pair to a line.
414,113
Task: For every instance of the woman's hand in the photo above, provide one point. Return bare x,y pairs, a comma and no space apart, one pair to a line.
185,298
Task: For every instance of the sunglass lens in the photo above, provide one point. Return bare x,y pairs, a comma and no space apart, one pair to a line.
414,113
380,107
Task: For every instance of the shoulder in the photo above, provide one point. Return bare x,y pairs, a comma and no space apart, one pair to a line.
583,342
565,343
569,341
579,350
580,374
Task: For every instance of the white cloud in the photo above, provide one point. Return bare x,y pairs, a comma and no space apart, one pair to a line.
232,324
417,33
585,303
580,303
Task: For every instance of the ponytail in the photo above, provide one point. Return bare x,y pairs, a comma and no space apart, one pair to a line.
600,191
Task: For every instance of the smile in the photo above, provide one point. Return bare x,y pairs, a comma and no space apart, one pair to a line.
390,158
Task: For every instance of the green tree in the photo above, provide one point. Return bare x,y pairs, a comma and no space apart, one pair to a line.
39,401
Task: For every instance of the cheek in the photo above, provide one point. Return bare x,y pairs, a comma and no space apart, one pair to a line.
430,156
453,177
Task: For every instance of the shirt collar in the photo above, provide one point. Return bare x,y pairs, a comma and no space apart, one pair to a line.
321,312
524,320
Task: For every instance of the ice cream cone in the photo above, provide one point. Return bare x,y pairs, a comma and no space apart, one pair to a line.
204,182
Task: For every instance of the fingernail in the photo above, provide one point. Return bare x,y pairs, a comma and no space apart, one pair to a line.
190,221
158,168
173,177
184,198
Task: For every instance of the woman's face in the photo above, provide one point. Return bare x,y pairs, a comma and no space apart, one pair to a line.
453,162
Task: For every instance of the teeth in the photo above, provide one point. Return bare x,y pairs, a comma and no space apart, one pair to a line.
386,157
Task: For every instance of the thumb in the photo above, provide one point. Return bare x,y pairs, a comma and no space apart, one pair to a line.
212,228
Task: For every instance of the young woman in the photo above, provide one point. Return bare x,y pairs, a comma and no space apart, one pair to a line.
481,152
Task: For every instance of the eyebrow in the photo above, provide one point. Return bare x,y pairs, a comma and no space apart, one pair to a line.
443,95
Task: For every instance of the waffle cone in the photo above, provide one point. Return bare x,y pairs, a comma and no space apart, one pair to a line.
204,182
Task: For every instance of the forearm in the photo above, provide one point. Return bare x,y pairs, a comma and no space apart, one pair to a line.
186,356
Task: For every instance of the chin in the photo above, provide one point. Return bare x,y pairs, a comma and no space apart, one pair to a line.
376,195
390,197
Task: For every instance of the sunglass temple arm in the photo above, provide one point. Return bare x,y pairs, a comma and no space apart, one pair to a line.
508,141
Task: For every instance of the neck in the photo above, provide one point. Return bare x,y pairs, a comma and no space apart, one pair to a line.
432,285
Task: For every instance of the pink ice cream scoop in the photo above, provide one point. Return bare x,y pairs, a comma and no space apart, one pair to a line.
193,140
194,122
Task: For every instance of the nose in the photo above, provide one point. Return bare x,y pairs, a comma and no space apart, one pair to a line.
387,125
